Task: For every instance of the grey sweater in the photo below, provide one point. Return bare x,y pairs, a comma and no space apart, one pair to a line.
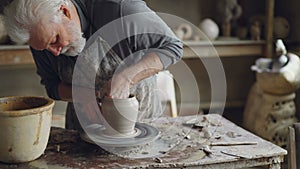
133,34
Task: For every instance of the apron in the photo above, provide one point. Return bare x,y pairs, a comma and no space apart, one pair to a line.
104,68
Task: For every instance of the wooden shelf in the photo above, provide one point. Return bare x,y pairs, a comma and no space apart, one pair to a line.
196,49
20,54
15,55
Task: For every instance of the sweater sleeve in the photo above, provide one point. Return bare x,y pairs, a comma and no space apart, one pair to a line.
47,70
146,30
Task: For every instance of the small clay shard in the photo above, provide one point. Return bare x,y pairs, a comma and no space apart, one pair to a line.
158,160
187,137
198,126
217,137
204,119
58,148
206,133
206,149
232,134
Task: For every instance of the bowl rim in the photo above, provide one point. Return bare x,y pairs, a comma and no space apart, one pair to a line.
31,111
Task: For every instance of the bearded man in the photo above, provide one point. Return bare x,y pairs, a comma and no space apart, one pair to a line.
57,30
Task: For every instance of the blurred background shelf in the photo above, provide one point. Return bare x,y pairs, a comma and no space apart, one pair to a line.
15,55
195,49
21,55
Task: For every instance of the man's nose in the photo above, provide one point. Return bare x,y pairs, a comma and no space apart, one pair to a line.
55,50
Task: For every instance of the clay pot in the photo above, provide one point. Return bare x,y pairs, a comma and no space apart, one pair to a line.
120,116
24,127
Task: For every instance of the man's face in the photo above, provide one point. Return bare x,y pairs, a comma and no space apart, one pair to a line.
58,38
77,43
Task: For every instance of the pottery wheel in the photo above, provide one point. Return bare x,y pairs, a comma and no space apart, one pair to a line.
143,134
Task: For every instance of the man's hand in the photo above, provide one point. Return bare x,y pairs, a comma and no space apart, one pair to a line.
118,87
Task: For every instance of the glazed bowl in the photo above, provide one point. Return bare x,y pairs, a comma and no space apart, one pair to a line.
25,123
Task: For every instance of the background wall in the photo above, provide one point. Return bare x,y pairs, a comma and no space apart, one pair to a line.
21,81
237,69
290,10
239,76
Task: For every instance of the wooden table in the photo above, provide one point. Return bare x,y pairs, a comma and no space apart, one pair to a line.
212,142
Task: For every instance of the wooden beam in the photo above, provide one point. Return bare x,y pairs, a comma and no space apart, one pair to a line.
269,28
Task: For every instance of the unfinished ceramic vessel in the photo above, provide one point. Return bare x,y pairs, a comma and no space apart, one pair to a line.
120,116
24,128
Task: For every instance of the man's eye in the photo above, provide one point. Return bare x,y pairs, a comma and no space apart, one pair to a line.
54,40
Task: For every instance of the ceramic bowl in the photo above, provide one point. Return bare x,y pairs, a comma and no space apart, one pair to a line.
25,123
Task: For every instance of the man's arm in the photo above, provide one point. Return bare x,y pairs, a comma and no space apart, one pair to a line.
119,86
65,92
148,66
146,32
46,68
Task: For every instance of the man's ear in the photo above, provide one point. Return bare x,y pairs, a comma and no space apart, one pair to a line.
66,11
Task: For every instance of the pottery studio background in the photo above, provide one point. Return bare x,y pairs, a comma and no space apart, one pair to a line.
19,78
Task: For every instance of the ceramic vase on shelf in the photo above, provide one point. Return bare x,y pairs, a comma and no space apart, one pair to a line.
209,28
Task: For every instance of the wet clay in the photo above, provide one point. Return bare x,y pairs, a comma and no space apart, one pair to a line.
120,116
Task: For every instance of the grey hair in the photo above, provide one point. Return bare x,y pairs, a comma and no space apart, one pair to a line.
20,16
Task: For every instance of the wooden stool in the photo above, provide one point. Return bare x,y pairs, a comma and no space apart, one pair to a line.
166,89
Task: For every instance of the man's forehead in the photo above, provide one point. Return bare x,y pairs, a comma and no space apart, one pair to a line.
40,35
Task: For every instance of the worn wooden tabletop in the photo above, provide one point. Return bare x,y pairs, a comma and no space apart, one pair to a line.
203,141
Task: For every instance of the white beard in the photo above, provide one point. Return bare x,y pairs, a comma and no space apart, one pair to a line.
76,45
74,48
